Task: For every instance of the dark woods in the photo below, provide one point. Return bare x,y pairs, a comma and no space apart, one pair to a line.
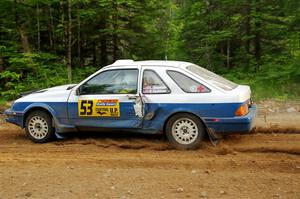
46,43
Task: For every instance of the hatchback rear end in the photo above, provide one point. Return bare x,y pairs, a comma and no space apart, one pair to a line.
240,110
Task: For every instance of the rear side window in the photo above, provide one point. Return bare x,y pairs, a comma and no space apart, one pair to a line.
153,84
212,78
187,84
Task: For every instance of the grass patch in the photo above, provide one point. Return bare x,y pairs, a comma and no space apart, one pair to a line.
4,104
265,90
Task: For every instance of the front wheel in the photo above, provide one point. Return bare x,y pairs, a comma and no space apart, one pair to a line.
38,127
185,131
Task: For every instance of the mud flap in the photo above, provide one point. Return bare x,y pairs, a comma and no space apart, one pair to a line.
213,136
59,136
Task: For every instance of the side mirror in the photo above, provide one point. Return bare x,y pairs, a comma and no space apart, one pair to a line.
78,91
81,90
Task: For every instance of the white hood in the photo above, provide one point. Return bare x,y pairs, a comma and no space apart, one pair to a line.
59,88
54,94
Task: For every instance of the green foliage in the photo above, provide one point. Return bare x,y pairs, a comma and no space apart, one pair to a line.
36,71
249,41
254,42
275,81
10,84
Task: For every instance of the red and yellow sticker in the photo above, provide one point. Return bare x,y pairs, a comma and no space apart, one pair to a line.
99,108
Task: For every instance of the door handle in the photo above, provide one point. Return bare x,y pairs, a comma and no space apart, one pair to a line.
132,97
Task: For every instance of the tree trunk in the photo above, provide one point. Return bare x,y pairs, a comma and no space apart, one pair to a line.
1,38
228,54
38,27
22,30
50,35
257,39
84,46
115,47
248,25
94,53
222,48
24,40
62,21
69,51
207,54
78,37
52,28
1,63
103,43
115,36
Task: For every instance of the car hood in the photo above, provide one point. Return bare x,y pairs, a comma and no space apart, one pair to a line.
53,94
60,88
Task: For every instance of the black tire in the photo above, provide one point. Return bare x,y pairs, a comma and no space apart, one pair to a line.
38,127
185,131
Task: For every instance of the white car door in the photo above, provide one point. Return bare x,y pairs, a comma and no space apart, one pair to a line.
107,100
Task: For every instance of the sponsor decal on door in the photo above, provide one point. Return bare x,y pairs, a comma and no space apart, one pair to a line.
99,108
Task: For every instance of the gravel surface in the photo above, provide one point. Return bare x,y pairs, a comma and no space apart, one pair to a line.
264,164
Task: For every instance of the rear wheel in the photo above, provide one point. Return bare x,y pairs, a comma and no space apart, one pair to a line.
185,131
38,127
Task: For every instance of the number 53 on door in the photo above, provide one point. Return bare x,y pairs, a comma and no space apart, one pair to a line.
99,108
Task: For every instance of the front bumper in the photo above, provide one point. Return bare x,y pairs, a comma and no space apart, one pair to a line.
241,124
14,117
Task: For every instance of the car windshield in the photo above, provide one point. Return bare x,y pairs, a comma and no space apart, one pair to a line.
212,78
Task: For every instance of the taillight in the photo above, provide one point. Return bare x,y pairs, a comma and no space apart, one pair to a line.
242,110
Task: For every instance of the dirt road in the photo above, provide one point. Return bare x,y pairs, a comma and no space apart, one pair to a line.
259,165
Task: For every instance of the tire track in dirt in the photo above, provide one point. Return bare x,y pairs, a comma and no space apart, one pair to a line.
275,129
265,141
113,165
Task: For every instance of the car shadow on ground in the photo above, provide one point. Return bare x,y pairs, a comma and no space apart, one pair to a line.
114,134
119,139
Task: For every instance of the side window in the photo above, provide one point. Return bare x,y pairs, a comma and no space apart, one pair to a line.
153,84
112,82
187,84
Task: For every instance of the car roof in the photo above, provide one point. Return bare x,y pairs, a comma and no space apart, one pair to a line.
129,62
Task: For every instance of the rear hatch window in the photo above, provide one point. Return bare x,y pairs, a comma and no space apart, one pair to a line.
212,78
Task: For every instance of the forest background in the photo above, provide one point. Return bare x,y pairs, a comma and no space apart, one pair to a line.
44,43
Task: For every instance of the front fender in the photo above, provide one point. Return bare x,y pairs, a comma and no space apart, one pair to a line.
42,106
58,111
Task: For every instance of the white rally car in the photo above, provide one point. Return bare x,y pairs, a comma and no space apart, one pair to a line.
180,99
